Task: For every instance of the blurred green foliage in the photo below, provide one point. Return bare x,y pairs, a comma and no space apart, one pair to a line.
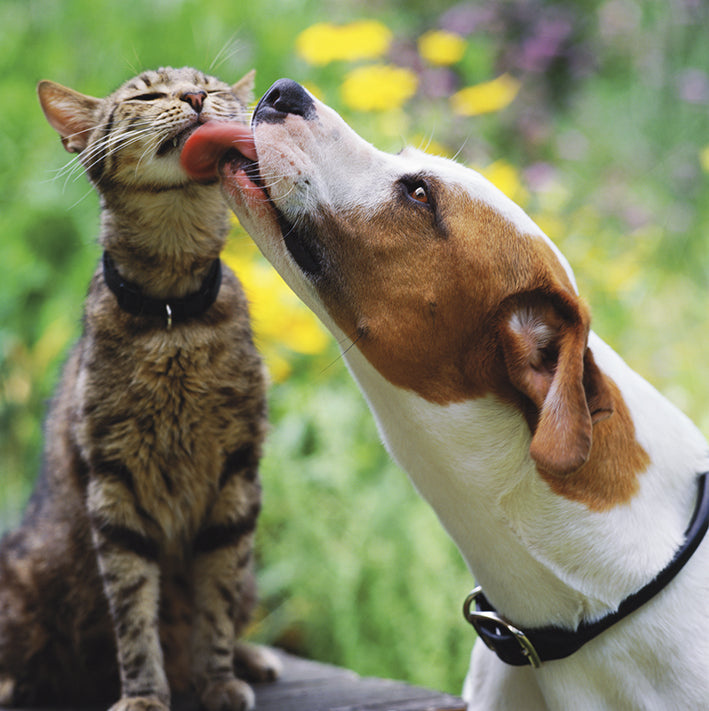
605,145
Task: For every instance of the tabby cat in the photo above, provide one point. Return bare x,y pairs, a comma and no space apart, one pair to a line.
131,571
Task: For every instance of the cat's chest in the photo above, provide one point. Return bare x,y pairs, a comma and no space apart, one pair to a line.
171,410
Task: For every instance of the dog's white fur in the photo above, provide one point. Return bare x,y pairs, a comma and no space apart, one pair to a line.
542,557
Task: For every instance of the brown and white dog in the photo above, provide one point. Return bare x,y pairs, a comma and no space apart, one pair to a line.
565,479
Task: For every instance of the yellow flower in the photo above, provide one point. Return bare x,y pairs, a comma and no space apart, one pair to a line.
704,159
504,176
324,42
441,48
280,320
378,87
486,97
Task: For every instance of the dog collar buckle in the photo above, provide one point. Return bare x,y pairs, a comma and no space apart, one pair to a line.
496,632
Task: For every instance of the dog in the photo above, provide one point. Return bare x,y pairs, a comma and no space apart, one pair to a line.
567,482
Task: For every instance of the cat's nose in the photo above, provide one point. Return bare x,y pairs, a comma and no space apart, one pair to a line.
195,99
284,97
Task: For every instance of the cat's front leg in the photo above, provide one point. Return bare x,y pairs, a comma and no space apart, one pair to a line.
217,581
222,583
128,561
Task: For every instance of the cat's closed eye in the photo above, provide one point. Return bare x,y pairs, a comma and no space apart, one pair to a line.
148,97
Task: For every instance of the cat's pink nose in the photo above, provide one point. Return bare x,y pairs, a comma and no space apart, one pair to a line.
195,99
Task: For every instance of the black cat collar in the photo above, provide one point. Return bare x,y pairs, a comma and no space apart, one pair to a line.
132,300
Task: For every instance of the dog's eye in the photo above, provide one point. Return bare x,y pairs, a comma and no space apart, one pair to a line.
417,189
419,193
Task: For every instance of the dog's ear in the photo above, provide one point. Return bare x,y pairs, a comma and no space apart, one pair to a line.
544,340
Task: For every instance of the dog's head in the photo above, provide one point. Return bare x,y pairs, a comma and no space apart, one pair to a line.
444,284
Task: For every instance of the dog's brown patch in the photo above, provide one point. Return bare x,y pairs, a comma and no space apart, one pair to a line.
610,476
428,300
424,297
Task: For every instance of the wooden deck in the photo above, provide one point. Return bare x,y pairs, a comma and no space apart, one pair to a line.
312,686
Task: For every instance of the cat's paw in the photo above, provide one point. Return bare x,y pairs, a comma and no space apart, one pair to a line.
140,703
256,663
228,695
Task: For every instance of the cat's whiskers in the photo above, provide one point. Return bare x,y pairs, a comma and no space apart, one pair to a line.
228,50
86,194
154,131
109,145
74,163
112,142
150,149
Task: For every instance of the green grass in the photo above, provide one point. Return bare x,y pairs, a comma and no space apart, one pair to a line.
354,567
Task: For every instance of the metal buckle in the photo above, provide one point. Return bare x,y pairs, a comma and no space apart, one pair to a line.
478,619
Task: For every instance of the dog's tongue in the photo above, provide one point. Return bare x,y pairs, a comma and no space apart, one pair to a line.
204,148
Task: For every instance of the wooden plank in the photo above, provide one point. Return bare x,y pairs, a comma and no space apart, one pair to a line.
314,686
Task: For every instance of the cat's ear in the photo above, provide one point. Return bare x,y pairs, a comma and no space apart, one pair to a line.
71,114
243,90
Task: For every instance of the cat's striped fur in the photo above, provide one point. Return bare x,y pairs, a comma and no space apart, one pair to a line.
131,571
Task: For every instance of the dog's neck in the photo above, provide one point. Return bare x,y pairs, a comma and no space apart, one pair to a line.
541,558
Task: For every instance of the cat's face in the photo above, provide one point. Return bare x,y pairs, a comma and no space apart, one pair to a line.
133,137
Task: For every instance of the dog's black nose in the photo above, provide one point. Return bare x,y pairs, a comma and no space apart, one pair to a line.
284,97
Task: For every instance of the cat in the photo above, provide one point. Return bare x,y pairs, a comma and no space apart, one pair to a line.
131,571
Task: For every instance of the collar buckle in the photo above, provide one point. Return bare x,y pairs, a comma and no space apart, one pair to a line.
495,631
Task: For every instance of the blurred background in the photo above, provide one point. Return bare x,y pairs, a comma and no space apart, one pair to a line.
593,115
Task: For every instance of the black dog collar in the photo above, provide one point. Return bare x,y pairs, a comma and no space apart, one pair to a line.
131,299
521,647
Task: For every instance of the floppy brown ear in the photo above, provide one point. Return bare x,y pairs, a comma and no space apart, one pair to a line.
71,114
547,359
